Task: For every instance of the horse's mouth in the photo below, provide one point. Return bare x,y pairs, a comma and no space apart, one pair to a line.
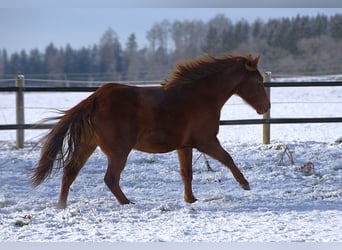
261,112
264,110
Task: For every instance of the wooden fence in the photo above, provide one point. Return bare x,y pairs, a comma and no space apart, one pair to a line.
20,89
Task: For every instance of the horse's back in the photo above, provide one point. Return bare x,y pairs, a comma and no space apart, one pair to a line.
147,118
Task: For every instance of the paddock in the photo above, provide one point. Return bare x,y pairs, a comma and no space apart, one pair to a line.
284,203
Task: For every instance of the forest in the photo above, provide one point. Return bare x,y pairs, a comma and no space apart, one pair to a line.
301,45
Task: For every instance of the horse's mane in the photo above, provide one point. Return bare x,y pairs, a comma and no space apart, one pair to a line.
202,67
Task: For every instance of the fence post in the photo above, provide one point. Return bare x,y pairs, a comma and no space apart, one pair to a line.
266,128
20,112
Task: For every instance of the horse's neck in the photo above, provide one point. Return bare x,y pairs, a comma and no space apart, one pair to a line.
221,87
216,89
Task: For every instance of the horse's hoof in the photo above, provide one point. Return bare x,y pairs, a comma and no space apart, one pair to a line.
127,202
190,200
245,186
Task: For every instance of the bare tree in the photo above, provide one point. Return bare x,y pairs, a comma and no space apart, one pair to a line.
188,38
110,54
158,57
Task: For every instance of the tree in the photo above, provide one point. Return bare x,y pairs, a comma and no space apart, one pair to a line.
212,44
228,40
257,29
36,64
84,61
110,54
14,64
188,39
220,35
158,37
221,23
336,26
53,62
321,54
131,59
320,25
69,60
3,59
241,32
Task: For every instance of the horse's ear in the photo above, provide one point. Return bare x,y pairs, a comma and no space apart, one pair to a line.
249,57
251,64
256,60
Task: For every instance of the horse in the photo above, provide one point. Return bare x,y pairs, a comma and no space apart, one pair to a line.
181,114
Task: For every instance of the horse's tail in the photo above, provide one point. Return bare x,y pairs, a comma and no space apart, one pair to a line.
61,144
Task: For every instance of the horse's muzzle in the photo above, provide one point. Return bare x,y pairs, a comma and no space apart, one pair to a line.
264,109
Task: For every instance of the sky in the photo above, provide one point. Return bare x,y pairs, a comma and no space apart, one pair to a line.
29,28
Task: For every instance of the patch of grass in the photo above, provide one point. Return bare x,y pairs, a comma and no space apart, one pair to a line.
26,221
278,147
20,223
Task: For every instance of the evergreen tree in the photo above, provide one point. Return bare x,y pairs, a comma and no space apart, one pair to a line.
241,32
2,64
336,26
36,64
213,42
53,61
14,65
84,61
131,59
69,60
320,25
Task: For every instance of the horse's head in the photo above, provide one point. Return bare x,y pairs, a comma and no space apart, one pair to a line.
251,88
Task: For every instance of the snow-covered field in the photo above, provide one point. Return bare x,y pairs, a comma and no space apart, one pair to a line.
284,204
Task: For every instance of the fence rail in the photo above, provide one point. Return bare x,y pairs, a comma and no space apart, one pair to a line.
92,89
20,89
222,122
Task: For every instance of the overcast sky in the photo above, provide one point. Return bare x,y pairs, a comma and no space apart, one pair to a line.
28,28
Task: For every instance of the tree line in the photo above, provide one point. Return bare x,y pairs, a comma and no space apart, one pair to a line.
298,45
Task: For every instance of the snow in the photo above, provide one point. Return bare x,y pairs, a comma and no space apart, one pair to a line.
284,204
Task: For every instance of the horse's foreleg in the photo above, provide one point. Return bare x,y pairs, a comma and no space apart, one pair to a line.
215,150
71,171
116,164
185,162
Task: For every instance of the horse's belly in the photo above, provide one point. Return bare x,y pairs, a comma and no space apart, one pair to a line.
157,142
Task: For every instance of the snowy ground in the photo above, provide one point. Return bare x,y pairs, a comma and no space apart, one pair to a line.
283,205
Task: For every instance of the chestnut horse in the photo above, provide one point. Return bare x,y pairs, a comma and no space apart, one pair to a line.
181,114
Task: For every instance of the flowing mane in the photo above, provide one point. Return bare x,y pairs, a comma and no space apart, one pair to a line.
190,71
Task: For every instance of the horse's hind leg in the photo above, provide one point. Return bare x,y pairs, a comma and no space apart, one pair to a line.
116,163
71,171
185,162
215,150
